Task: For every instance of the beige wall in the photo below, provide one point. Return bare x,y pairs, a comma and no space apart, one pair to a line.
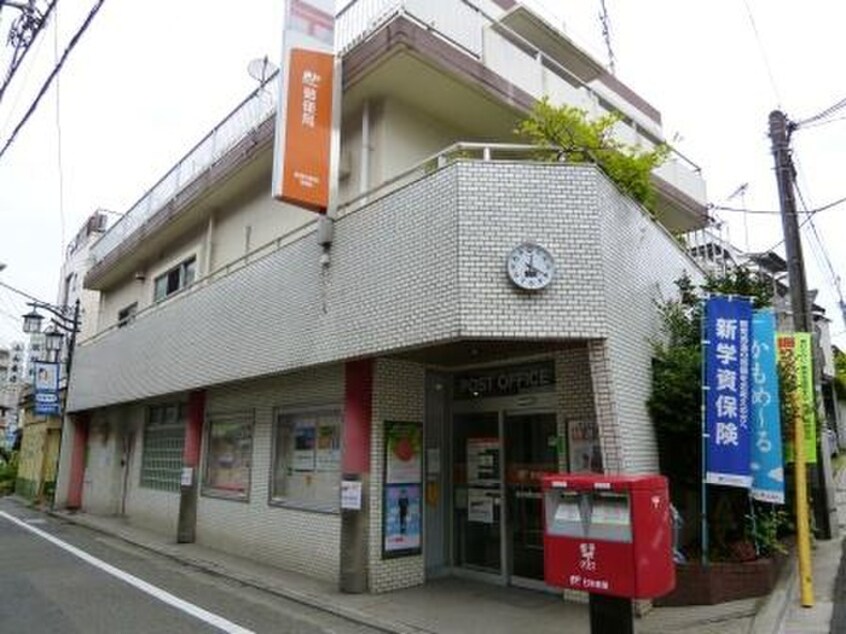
405,136
252,220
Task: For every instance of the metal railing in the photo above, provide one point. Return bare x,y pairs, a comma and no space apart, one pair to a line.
247,116
460,22
509,152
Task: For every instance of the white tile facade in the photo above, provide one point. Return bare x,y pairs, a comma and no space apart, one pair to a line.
398,396
424,265
300,540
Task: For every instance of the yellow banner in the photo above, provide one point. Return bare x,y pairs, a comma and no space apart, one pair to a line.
796,349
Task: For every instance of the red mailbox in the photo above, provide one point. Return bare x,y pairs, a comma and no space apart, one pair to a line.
608,535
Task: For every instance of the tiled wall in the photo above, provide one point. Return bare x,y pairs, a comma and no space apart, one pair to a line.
640,263
423,265
294,539
398,396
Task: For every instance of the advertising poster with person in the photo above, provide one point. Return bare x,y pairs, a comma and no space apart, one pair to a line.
402,519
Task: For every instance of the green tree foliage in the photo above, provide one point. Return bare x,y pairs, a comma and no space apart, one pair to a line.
580,140
840,373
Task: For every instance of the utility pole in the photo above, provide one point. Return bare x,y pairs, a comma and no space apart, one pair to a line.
780,131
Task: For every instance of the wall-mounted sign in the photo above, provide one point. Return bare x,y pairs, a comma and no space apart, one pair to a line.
46,388
585,451
308,115
402,515
403,452
402,500
351,495
529,378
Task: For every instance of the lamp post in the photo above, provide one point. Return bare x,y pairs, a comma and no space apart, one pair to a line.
65,322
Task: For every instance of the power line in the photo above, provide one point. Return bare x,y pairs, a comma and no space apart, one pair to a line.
22,293
17,61
822,115
811,212
52,75
762,51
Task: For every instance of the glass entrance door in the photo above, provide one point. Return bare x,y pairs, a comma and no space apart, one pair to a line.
477,492
531,451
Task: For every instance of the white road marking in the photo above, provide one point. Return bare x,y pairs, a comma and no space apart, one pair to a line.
155,592
36,520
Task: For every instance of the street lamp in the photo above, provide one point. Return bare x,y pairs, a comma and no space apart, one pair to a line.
32,322
66,321
53,339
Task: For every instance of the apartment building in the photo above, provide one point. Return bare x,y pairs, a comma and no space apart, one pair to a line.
372,401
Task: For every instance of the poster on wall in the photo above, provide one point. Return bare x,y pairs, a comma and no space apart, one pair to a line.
403,453
482,461
584,448
480,506
402,515
304,433
402,501
327,456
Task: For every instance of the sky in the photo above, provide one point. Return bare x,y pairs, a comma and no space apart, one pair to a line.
149,79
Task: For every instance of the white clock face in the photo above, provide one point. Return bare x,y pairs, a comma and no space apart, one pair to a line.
530,266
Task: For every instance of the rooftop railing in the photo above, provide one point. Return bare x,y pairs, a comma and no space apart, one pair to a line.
462,23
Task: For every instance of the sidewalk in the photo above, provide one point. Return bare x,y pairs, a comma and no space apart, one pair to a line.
460,606
826,561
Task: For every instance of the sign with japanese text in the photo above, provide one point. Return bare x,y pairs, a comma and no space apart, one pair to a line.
766,458
728,323
794,351
46,388
307,116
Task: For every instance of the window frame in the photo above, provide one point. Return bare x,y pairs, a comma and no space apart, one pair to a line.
280,413
181,270
208,490
181,421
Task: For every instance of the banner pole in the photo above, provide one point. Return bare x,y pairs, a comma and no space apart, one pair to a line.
704,442
803,533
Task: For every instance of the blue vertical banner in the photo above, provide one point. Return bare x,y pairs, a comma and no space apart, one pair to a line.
766,456
46,388
728,333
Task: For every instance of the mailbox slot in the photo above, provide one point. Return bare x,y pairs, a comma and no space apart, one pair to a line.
611,517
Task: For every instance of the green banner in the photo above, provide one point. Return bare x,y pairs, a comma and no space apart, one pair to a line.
796,348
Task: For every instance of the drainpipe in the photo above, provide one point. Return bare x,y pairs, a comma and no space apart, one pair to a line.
364,176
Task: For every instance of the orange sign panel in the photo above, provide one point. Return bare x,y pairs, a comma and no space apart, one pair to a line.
308,129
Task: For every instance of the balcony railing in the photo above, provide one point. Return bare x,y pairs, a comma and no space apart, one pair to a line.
464,24
422,169
247,116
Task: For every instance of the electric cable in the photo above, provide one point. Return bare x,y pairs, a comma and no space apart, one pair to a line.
811,212
822,115
13,69
763,52
61,175
73,42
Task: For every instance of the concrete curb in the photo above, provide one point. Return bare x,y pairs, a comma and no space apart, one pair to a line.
310,600
772,614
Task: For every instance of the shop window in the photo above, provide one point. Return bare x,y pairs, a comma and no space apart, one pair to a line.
229,450
175,279
127,315
164,439
307,459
